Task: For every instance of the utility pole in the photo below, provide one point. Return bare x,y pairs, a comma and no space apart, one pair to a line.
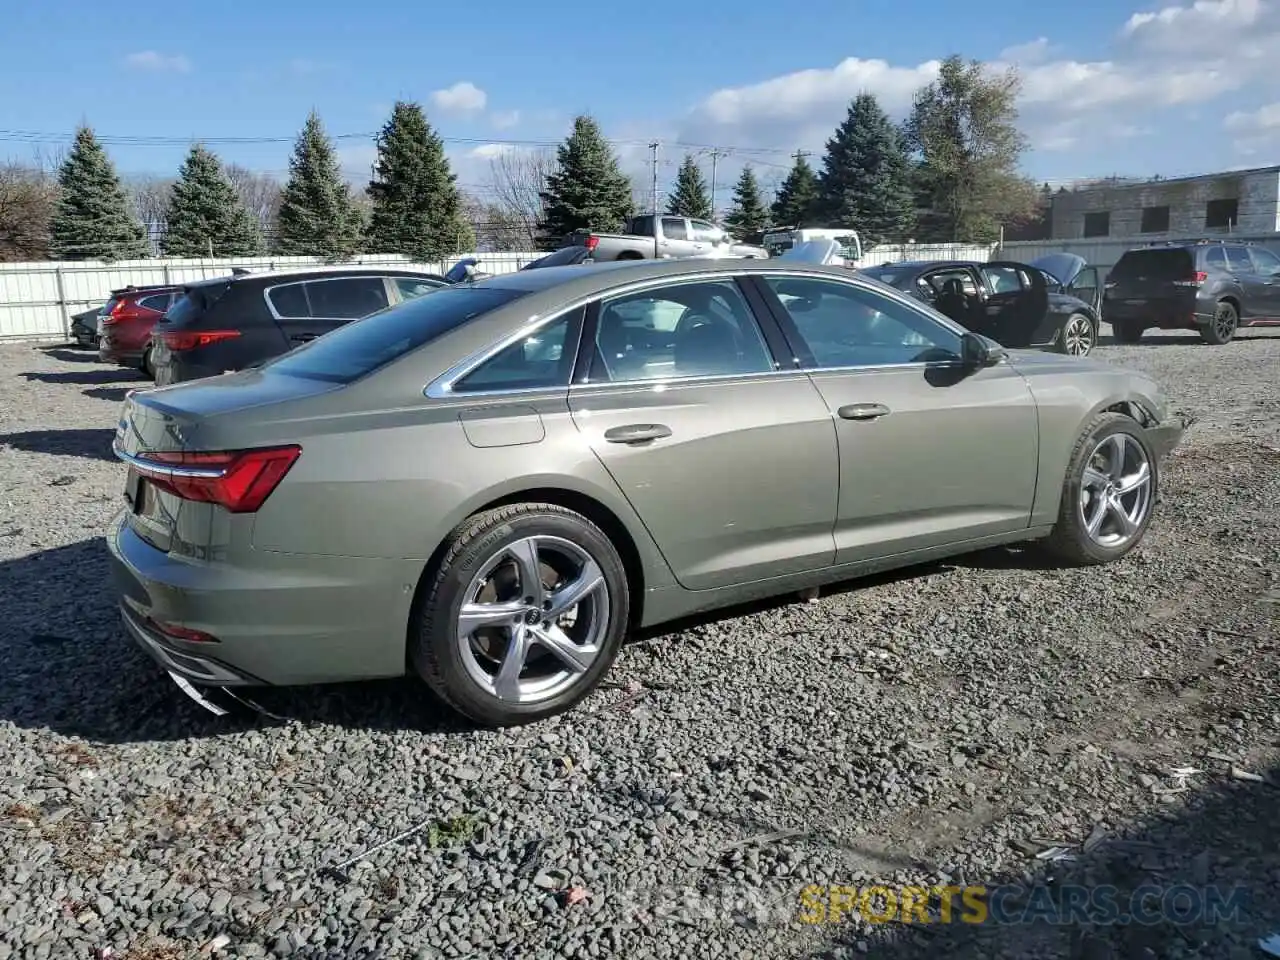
715,156
653,163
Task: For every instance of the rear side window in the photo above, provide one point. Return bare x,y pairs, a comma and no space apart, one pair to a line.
357,349
1171,264
1238,260
289,301
410,287
1216,257
157,301
673,228
348,298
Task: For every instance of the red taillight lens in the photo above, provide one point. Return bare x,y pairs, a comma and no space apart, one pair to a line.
240,480
179,632
1201,276
193,339
1197,279
122,312
592,242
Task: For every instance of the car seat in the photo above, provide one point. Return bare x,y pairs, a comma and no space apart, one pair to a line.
706,346
952,302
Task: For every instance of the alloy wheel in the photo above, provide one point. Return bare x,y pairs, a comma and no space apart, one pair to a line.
1115,491
1077,336
1224,321
533,619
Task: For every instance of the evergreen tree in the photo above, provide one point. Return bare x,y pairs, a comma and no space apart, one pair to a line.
586,190
206,217
92,220
866,180
317,216
749,215
417,209
689,194
794,206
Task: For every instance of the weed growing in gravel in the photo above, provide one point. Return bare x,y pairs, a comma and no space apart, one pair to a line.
451,832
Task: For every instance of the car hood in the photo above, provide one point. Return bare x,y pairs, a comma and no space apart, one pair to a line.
1064,266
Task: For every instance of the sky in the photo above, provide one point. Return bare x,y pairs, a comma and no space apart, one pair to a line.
1109,87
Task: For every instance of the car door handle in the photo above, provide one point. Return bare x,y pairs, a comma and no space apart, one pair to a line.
302,337
637,433
863,411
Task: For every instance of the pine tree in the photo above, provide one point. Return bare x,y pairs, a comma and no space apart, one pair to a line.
587,190
689,195
92,220
417,209
866,180
206,217
749,215
317,216
798,196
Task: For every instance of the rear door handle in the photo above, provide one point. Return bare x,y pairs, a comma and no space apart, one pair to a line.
302,337
637,433
863,411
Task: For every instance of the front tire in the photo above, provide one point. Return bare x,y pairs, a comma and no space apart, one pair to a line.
1223,326
1077,336
1108,495
1126,331
524,614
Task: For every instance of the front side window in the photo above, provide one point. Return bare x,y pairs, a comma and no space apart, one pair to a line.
1264,261
673,228
544,359
683,330
850,326
348,298
1238,260
705,232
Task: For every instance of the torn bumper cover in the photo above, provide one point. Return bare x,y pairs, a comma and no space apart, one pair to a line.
1165,436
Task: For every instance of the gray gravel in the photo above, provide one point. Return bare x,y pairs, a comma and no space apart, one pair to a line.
927,727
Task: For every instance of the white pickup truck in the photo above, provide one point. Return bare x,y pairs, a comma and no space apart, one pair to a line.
662,238
781,239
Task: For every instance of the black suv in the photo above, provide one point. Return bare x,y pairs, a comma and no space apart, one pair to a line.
1211,286
235,322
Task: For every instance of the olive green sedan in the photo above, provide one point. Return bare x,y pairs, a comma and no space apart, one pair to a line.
490,485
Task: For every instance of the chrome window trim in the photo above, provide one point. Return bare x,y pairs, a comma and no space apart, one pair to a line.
441,388
266,291
166,470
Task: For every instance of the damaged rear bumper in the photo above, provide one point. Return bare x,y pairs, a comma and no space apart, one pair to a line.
1164,437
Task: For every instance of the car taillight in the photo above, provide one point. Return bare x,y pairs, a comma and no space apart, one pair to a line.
179,632
121,313
1197,280
194,339
592,242
240,480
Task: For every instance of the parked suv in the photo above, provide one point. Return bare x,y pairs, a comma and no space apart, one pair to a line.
238,321
126,321
1211,286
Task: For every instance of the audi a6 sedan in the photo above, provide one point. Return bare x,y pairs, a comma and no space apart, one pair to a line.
490,486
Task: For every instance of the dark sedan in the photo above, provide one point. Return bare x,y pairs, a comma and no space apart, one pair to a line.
1041,304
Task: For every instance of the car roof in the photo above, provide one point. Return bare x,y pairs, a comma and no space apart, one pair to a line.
318,272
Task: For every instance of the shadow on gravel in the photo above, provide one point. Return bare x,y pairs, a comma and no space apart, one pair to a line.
69,667
93,444
1224,846
114,394
1006,558
1189,340
68,354
88,377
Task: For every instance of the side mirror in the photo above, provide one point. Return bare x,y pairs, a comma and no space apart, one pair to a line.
977,352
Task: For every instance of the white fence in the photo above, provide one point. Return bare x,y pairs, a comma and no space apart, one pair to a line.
898,252
37,300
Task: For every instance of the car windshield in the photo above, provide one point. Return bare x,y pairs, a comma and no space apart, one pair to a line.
359,348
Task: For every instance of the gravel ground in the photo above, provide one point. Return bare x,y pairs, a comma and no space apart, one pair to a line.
943,725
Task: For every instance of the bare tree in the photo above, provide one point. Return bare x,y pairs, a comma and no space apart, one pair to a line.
260,193
150,197
27,198
517,179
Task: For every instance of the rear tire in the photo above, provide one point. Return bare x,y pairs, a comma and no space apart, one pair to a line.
482,608
1077,336
1108,494
145,365
1223,326
1126,331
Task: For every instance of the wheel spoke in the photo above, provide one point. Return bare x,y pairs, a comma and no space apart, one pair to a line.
1093,523
1117,510
525,554
1095,478
473,616
576,658
588,580
1115,460
1134,481
507,682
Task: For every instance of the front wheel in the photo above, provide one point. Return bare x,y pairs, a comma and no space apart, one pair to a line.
1077,336
1108,493
1222,328
524,615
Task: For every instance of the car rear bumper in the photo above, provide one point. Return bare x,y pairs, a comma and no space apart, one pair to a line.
291,620
1164,437
110,353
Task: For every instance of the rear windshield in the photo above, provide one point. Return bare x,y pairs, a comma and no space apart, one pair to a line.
1170,264
108,306
561,257
362,346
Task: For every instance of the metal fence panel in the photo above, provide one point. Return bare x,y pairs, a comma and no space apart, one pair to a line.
38,299
898,252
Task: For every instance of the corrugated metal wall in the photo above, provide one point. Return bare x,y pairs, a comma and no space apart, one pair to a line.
1105,252
898,252
38,299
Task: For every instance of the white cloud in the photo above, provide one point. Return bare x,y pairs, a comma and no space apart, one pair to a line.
356,159
491,151
1032,52
1263,120
505,119
463,97
1203,15
159,62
